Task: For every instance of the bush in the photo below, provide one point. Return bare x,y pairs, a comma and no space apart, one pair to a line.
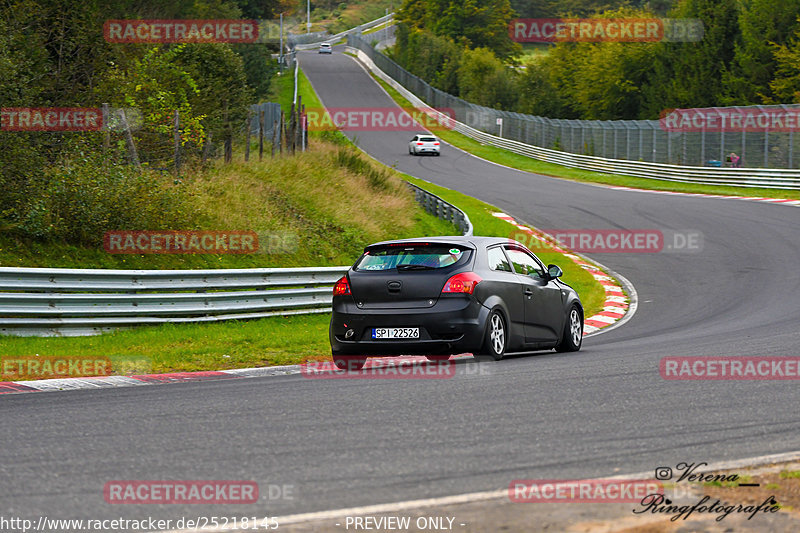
485,80
82,199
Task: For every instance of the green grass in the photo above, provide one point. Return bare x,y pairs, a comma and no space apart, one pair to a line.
283,90
333,199
287,199
521,162
294,194
190,347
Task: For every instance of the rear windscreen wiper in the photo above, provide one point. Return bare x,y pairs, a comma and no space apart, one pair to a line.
415,267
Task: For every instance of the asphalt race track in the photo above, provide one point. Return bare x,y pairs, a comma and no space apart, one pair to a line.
343,443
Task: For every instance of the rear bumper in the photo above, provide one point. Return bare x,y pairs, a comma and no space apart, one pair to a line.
452,325
427,149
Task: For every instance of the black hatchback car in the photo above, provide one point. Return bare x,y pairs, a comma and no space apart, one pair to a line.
446,295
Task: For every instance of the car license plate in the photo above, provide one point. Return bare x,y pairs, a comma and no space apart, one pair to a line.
395,333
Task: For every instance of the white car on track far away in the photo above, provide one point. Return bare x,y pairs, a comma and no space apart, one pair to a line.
423,143
325,48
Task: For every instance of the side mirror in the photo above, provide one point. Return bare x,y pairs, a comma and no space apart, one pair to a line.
554,271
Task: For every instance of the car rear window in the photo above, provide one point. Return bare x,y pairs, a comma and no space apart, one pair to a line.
428,139
412,257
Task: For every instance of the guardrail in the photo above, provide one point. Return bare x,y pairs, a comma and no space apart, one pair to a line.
70,302
74,302
340,35
738,177
443,209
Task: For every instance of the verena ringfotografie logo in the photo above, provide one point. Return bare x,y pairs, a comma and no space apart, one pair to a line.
720,119
378,119
582,490
606,241
593,30
401,367
180,492
730,368
181,31
697,475
51,367
180,242
51,119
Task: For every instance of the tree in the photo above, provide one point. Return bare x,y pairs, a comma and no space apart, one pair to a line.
21,156
473,23
541,94
691,74
222,97
156,86
786,84
431,57
485,80
763,24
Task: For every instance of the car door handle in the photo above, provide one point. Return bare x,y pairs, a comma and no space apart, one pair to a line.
528,293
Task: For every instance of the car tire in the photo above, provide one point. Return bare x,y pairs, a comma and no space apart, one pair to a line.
438,358
572,336
437,154
496,338
349,363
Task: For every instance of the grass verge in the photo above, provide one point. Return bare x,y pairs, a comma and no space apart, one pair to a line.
187,347
521,162
285,200
286,181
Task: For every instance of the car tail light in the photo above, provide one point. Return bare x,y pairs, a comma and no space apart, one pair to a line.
436,144
342,287
420,144
462,283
